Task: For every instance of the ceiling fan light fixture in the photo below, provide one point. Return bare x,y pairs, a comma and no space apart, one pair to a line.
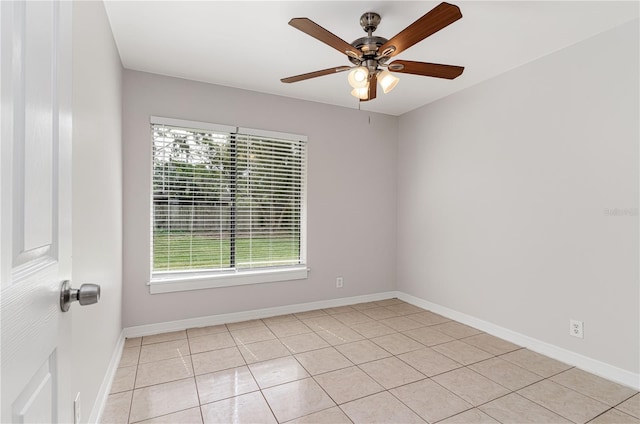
387,81
361,93
359,77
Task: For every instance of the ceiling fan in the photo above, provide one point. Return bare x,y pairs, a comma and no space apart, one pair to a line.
370,54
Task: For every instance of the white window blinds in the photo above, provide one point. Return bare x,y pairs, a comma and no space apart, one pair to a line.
226,199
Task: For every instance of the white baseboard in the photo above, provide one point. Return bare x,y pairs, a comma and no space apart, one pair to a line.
105,387
585,363
163,327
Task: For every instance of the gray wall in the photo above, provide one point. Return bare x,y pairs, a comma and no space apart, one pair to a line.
502,191
97,196
351,195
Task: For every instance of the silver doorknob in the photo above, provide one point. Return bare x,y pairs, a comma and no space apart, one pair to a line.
87,294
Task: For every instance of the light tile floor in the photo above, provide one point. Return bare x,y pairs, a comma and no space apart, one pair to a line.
376,362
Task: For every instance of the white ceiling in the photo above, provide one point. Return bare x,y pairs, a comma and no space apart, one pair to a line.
249,44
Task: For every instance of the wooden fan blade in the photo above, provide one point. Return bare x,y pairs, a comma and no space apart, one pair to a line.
309,75
433,21
373,88
316,31
426,69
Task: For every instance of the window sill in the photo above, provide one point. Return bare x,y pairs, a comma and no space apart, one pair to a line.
185,282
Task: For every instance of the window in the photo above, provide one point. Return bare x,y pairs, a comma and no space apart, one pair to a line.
228,206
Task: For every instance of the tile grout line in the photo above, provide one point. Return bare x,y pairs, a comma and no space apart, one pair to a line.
620,403
268,405
584,394
157,384
602,413
421,417
466,410
195,381
261,393
320,385
543,406
510,390
133,389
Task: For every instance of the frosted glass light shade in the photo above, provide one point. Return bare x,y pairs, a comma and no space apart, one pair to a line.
387,81
359,77
361,93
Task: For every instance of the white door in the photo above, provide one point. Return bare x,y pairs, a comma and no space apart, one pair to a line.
35,210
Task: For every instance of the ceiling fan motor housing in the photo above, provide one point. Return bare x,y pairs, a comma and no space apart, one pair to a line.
370,44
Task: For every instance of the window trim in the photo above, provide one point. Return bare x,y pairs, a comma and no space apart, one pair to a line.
176,281
203,280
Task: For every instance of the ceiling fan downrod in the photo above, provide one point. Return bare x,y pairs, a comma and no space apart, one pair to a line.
370,44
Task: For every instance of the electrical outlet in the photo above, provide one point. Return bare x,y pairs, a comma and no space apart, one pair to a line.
576,328
76,409
339,282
